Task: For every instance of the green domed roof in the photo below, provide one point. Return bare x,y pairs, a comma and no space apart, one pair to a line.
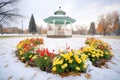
59,12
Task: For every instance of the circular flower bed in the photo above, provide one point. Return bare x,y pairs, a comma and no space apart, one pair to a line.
67,62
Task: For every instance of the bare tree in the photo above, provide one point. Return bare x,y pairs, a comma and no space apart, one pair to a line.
103,25
115,16
107,21
81,29
8,11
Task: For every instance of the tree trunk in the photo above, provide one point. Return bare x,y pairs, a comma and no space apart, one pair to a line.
1,29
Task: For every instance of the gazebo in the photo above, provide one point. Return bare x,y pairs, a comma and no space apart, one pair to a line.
59,25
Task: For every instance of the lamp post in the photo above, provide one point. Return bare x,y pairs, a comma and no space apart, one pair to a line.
22,27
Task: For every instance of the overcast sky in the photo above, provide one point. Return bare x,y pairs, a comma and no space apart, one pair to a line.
84,11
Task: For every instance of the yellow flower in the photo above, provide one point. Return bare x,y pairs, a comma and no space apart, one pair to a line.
22,58
75,56
84,66
55,59
61,61
54,63
64,66
101,55
106,53
78,60
45,58
111,54
70,61
70,53
89,54
66,56
21,52
93,55
60,51
34,57
18,46
77,68
30,56
54,69
83,57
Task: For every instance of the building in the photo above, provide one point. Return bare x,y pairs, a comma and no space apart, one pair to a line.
11,30
59,25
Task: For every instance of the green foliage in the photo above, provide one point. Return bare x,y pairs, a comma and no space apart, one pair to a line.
32,25
27,56
43,62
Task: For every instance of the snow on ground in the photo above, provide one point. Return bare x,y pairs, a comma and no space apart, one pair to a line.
13,69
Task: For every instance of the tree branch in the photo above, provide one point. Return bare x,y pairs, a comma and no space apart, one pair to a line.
2,4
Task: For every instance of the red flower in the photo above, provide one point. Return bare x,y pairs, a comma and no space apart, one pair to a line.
38,51
101,47
42,53
52,55
31,60
47,50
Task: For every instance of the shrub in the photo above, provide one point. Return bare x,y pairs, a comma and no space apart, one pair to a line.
69,61
97,50
26,49
43,63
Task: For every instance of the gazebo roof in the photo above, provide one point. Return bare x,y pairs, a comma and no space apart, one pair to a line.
59,19
59,12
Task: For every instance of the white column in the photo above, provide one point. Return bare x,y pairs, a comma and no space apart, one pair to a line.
54,27
70,28
64,27
47,28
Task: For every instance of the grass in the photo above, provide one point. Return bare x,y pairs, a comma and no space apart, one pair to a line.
17,36
44,35
111,37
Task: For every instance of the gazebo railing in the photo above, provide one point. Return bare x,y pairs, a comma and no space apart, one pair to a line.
59,32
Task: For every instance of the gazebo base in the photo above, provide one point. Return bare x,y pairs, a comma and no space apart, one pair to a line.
59,36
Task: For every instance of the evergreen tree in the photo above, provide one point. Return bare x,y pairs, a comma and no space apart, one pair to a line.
92,29
32,25
118,30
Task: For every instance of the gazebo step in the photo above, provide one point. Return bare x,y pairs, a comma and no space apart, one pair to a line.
59,36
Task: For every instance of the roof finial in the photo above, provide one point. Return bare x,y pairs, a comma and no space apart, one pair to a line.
59,7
